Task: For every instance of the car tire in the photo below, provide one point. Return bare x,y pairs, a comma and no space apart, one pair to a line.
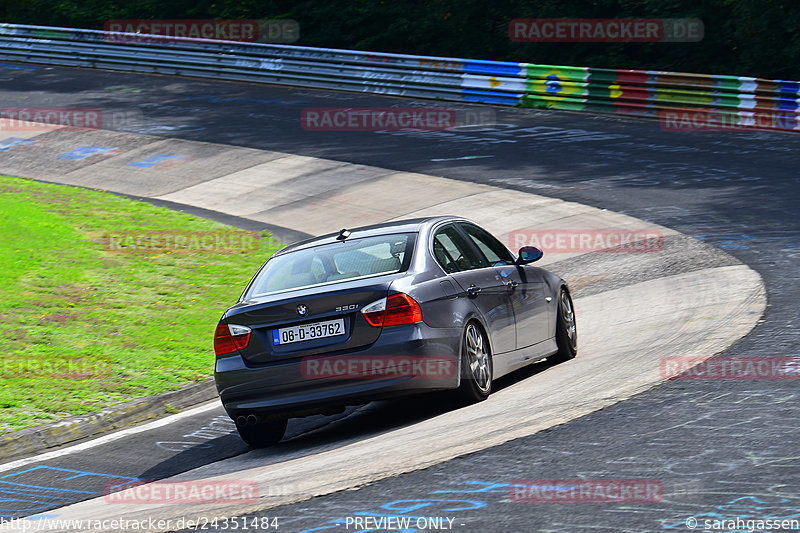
566,329
263,434
476,365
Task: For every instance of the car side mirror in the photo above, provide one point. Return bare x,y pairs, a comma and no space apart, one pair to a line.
529,254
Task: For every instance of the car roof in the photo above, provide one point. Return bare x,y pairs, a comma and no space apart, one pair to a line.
411,225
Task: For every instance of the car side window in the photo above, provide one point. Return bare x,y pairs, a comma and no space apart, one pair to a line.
445,259
495,252
453,252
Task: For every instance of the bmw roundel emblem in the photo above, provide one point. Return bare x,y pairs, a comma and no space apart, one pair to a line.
302,310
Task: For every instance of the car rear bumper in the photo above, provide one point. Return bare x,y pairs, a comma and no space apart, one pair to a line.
404,360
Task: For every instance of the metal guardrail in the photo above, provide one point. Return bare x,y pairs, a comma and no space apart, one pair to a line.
742,101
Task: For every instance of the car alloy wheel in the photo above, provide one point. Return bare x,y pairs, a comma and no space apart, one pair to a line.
476,382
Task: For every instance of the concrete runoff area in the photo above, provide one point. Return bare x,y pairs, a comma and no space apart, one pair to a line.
674,305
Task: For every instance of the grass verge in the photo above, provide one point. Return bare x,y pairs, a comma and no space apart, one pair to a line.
104,299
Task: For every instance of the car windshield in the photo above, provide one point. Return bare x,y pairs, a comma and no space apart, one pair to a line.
334,262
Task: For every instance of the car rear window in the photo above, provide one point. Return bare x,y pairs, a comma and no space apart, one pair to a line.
335,262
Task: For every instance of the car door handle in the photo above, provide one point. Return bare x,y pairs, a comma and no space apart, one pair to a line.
511,284
473,290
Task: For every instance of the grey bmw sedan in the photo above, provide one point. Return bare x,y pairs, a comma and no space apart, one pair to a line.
380,311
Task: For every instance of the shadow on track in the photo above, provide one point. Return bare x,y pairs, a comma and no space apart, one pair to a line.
315,434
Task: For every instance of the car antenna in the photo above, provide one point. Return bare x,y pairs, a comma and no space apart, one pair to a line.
345,233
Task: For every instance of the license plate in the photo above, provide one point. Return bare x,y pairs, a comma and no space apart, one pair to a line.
308,332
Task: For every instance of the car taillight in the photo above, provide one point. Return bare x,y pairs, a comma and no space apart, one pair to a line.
392,311
228,338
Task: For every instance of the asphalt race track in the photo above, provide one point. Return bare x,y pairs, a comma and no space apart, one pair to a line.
720,449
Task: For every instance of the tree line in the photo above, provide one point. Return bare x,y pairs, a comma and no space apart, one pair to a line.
741,37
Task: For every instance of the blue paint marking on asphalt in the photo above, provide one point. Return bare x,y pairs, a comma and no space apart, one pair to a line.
154,160
18,67
18,497
26,489
68,470
487,487
419,504
41,517
726,240
12,142
85,151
